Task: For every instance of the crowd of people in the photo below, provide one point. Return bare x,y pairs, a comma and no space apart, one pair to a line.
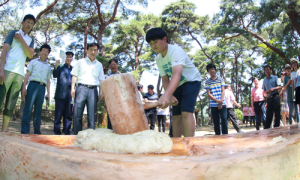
181,81
282,95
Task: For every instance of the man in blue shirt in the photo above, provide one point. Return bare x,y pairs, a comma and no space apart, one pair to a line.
271,86
151,96
62,96
17,47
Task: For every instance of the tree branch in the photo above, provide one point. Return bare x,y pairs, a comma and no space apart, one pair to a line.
38,17
4,3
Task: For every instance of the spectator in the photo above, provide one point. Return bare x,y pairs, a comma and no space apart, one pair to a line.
288,89
246,114
88,72
283,100
17,47
140,90
113,66
271,86
251,116
215,88
151,96
63,107
230,101
39,75
258,103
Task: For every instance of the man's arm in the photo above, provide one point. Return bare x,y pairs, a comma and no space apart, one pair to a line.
27,50
24,91
48,89
56,70
170,86
74,80
2,63
100,93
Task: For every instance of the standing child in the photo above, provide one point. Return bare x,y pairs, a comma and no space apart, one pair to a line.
215,88
180,79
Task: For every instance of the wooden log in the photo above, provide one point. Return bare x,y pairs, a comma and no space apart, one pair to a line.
233,156
123,104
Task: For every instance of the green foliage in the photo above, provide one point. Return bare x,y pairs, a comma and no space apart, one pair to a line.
239,114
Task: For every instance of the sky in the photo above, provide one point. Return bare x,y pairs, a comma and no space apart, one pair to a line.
210,7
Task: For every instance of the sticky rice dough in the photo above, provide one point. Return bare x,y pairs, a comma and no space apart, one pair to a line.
143,142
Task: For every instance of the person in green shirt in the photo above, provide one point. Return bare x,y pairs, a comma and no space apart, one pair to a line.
288,88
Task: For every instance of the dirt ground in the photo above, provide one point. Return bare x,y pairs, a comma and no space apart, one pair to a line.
47,128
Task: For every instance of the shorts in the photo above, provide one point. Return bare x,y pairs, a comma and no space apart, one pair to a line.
186,94
10,91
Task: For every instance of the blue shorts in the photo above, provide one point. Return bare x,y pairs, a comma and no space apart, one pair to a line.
186,94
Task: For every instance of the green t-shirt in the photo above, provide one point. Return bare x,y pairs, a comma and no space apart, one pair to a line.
289,89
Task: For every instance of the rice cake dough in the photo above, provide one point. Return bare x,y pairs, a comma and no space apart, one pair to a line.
143,142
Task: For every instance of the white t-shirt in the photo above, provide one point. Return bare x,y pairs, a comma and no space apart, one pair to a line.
161,111
294,75
177,56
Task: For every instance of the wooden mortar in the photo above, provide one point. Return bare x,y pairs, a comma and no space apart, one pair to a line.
124,106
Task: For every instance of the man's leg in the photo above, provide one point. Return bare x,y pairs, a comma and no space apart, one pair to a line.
59,110
109,126
296,112
164,117
188,122
291,108
32,91
38,105
223,114
269,114
232,116
67,116
177,126
277,109
258,114
152,119
10,89
216,119
159,120
92,107
80,100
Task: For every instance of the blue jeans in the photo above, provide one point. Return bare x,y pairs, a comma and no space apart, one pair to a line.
35,96
216,117
291,107
260,113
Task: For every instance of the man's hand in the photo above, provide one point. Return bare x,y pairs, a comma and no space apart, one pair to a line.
290,82
73,93
2,76
24,92
48,96
18,37
101,96
165,100
174,101
220,106
57,63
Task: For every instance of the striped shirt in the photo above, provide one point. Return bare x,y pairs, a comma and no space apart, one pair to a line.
215,87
